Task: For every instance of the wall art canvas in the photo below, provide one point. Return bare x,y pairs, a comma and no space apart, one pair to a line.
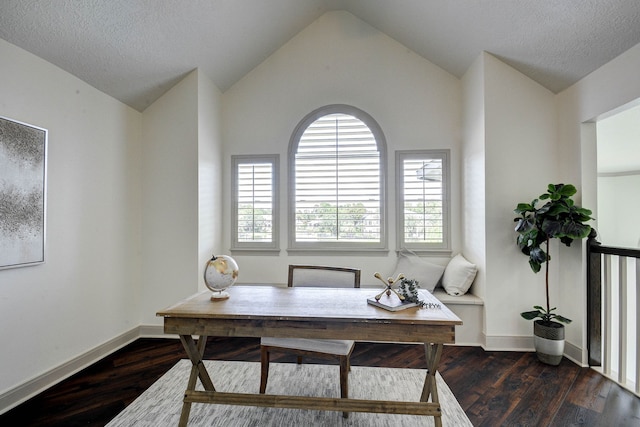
23,176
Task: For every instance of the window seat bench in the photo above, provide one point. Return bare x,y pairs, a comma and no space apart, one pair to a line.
469,308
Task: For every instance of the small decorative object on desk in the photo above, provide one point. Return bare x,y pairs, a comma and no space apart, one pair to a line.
220,274
409,289
388,286
391,303
405,297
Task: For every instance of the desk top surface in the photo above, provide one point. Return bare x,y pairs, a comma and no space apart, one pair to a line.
306,304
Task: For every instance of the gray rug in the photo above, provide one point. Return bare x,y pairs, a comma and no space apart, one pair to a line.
161,404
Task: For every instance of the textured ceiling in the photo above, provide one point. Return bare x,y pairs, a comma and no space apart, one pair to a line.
135,50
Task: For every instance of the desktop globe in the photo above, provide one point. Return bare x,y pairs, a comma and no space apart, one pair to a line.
220,274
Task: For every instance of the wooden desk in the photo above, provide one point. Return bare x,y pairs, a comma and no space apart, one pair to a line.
256,311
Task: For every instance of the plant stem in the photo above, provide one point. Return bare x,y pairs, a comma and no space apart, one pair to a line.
547,276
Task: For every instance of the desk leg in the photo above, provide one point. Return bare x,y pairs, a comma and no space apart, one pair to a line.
432,353
195,353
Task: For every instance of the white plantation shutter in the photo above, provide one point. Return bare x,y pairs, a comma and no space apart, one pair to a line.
423,194
255,216
337,186
255,203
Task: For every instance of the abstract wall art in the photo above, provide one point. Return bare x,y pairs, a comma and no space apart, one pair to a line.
23,177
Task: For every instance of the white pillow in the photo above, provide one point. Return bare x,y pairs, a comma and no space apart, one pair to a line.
458,276
413,267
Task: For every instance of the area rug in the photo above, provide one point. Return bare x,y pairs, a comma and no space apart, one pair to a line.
160,405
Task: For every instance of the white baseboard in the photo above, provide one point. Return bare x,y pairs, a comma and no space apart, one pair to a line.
508,343
575,354
153,331
38,384
525,343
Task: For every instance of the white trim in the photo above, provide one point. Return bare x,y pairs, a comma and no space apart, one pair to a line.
153,331
574,353
525,343
15,396
508,343
617,174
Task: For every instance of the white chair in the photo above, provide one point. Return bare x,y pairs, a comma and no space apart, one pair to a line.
316,276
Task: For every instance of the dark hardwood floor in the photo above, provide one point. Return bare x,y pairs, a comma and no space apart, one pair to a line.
494,388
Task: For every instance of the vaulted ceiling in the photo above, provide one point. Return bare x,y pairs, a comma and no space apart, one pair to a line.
135,50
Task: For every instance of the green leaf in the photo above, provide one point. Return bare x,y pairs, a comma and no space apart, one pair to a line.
561,319
524,224
535,266
551,227
525,207
567,190
530,315
575,230
538,255
556,209
584,212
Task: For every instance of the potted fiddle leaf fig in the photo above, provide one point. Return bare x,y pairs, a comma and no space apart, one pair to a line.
558,218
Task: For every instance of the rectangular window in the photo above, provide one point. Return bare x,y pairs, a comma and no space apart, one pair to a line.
423,200
255,202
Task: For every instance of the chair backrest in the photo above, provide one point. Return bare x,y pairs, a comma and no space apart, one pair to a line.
323,276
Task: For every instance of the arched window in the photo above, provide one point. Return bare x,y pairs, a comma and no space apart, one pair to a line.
337,158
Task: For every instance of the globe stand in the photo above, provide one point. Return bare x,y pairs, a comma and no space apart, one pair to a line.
220,296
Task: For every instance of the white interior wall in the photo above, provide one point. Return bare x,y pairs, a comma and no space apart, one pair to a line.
339,59
618,207
611,86
86,292
473,165
520,148
170,195
210,178
619,178
618,135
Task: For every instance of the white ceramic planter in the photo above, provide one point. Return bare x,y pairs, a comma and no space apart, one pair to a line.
548,340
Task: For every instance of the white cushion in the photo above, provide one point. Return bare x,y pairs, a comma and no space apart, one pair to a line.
458,276
341,347
413,267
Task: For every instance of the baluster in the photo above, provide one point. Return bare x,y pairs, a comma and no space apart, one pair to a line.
622,319
606,363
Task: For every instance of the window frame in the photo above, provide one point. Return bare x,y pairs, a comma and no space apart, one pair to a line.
443,248
274,244
323,247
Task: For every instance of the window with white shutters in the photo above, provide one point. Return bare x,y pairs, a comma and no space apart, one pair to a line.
337,181
255,207
423,199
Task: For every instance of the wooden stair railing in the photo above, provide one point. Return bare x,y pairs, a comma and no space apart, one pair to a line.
600,289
